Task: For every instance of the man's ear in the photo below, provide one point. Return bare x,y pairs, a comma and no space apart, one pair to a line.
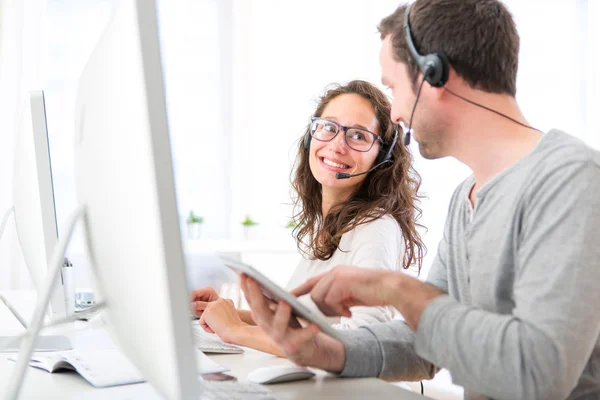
437,93
431,93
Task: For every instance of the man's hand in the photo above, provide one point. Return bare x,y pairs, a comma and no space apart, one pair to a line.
221,317
200,298
304,346
335,291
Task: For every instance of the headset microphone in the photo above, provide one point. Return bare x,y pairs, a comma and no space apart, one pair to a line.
343,175
406,139
435,68
385,158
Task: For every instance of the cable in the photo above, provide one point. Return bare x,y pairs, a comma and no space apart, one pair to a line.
412,114
422,391
489,109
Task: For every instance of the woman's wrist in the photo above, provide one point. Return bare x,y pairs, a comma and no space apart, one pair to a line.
246,316
237,335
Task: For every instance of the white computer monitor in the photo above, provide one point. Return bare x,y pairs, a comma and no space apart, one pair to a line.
33,198
35,218
124,179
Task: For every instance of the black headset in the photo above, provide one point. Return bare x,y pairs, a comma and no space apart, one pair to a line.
385,158
435,68
435,65
388,154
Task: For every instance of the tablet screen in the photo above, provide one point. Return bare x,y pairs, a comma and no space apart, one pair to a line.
275,293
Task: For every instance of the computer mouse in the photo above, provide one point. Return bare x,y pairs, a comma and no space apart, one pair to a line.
279,374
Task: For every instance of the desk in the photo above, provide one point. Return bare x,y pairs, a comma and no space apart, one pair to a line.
40,384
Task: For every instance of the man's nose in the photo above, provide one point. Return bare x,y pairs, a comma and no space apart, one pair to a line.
395,115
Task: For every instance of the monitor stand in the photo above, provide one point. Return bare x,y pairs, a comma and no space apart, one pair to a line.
54,266
12,344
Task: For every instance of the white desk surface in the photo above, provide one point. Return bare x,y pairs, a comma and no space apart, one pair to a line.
69,385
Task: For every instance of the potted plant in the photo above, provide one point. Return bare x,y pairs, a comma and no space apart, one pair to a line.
248,223
291,224
193,224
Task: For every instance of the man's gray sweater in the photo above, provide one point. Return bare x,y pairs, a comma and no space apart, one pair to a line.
521,318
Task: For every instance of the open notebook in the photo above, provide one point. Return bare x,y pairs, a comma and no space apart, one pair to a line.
105,367
101,368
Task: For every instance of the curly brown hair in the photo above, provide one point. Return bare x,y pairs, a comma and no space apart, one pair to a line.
390,189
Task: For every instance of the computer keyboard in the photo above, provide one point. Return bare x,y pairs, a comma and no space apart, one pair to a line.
210,343
218,390
87,316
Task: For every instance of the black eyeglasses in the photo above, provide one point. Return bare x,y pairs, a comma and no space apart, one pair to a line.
356,138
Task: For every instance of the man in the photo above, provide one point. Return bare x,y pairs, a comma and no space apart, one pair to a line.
510,306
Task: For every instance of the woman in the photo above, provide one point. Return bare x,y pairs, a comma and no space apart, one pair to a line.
367,220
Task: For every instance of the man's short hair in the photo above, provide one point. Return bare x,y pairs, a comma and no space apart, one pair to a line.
478,36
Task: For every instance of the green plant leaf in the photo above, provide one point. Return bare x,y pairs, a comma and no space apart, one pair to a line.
194,219
249,222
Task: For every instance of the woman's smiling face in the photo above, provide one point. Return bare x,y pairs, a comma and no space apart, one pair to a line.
328,158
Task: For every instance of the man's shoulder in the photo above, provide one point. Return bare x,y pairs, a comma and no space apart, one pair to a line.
558,148
560,157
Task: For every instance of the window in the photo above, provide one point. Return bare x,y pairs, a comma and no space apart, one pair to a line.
230,63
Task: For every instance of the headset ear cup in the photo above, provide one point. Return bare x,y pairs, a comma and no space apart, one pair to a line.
445,67
439,62
431,68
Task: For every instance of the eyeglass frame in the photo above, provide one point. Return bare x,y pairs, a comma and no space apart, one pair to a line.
345,129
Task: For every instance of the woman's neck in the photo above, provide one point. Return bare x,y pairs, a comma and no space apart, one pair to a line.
331,197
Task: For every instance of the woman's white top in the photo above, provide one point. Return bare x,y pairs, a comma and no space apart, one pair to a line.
378,244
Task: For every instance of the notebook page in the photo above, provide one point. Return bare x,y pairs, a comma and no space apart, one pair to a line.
104,368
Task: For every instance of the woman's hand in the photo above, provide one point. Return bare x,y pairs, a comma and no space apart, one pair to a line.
221,317
200,298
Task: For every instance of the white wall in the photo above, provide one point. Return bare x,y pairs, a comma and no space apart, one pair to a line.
285,53
198,102
592,66
552,79
242,78
21,70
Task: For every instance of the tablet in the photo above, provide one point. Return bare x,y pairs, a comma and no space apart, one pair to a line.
276,293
